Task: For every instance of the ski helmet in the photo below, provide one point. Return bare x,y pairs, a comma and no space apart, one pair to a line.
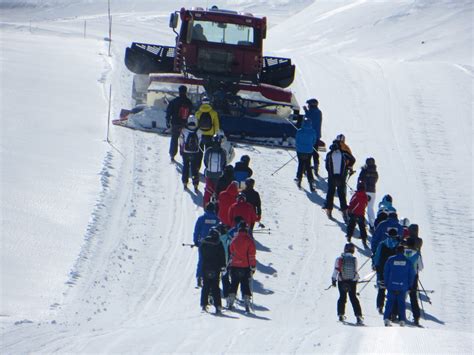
182,90
214,232
387,198
370,161
245,159
312,102
341,138
349,248
192,121
241,197
216,139
405,222
249,182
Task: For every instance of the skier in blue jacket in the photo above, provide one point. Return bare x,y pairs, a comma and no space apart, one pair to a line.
201,230
399,274
380,233
305,140
313,113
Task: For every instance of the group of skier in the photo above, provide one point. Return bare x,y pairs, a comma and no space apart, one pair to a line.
223,234
395,245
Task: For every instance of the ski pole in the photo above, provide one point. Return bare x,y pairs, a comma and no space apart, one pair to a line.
261,232
281,167
362,289
188,245
365,262
328,287
426,294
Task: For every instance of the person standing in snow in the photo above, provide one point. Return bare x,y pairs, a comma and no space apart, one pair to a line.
201,230
189,148
313,113
215,159
243,263
337,162
387,204
243,209
369,176
253,197
345,148
399,275
177,114
305,141
385,249
208,122
212,254
356,212
382,228
242,170
415,258
345,273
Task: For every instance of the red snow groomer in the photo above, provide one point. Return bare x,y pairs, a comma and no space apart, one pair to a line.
218,53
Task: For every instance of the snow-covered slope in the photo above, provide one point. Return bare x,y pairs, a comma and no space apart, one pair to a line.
92,257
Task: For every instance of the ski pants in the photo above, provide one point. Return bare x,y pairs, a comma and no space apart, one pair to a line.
336,182
240,275
360,220
190,165
209,193
316,158
175,132
211,285
348,287
304,166
370,209
226,284
413,294
381,293
395,298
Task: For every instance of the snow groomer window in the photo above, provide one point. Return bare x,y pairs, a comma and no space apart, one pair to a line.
226,33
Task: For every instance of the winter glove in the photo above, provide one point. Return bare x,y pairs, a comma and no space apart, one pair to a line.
333,283
261,225
252,270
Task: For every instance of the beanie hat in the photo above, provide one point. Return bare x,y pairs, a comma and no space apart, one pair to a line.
413,230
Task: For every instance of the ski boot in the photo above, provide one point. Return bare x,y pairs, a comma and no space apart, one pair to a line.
416,322
298,182
172,159
387,322
199,282
230,301
204,308
341,317
402,323
218,310
247,303
360,320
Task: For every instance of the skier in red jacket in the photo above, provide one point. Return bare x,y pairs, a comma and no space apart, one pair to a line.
243,209
226,200
243,262
356,209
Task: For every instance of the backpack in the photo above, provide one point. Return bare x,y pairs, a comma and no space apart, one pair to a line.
205,121
348,267
183,112
192,142
214,162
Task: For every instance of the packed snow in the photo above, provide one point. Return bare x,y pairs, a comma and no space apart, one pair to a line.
92,259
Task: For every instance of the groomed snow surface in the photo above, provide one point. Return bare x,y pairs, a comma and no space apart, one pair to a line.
91,234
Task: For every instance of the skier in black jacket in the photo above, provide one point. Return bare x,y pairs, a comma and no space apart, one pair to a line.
177,115
253,197
212,255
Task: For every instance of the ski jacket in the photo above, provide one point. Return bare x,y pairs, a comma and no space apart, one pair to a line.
242,172
305,138
338,161
225,180
358,203
183,138
385,250
215,159
339,267
175,110
315,115
381,231
214,116
212,254
242,251
227,199
399,273
203,224
369,176
415,257
253,197
244,210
